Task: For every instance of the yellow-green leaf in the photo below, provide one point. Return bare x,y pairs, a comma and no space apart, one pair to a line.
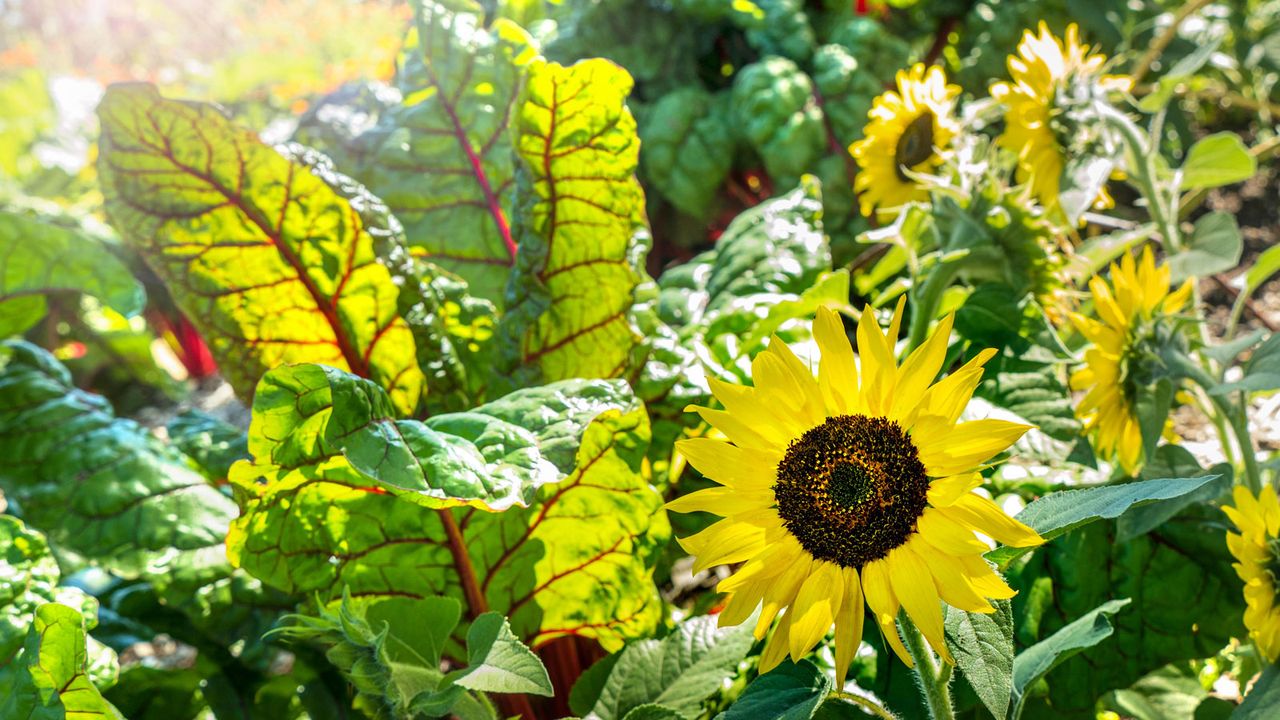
271,264
581,231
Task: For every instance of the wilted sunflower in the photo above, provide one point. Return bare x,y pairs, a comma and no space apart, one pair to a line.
1257,547
1050,78
906,130
1128,307
854,484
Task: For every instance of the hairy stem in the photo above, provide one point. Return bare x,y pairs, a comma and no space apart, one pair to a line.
870,706
934,676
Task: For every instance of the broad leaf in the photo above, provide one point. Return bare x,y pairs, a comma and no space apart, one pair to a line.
370,510
269,262
498,662
678,672
442,159
1214,246
41,258
48,679
1261,372
774,109
791,691
581,230
1062,512
1036,661
982,644
688,148
1219,159
213,445
99,486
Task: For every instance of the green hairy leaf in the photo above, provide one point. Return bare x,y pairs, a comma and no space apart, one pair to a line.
983,647
1261,702
100,486
1062,512
1034,662
38,258
791,691
676,673
498,662
339,494
443,158
267,260
582,232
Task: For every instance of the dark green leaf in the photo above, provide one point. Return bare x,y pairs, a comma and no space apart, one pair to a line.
1261,372
1034,662
214,445
653,712
791,691
688,145
775,110
1263,699
48,679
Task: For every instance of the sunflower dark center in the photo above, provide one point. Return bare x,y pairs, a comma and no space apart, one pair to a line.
851,489
915,146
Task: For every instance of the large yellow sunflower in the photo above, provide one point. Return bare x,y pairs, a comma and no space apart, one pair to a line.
1048,74
1137,295
854,485
1257,547
907,128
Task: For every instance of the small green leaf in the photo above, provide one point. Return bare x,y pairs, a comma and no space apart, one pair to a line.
1214,246
1034,662
982,644
791,691
678,672
1152,409
498,662
1263,699
1219,159
1062,512
422,627
1261,372
1266,265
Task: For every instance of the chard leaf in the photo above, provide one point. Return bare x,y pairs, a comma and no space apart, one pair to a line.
442,159
688,148
582,231
340,495
774,106
99,486
270,262
49,678
40,258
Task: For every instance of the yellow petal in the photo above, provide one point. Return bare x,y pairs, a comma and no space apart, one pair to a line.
985,580
810,398
919,370
725,542
776,649
741,433
848,624
968,445
987,518
884,605
723,501
752,407
945,491
948,535
730,465
815,608
953,584
878,364
948,398
837,372
913,584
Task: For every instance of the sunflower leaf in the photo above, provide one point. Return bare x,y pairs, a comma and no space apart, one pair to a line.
983,647
1061,512
266,258
1263,699
1217,160
791,691
1034,662
498,662
678,672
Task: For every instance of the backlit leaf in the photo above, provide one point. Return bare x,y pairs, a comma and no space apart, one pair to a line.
581,231
1216,160
48,679
270,263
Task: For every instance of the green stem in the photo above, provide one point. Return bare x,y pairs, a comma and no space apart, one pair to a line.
925,302
1236,416
933,675
1143,172
871,706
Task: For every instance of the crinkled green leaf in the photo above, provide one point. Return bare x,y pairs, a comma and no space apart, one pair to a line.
37,258
340,495
99,486
847,90
784,30
791,691
1061,512
213,445
658,47
688,148
677,672
982,644
1084,632
881,51
775,110
48,679
581,229
442,159
269,262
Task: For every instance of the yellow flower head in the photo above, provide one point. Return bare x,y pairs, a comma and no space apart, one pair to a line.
1137,295
853,486
1047,73
907,128
1257,546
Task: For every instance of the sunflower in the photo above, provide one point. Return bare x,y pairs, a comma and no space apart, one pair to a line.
853,486
1050,78
907,129
1129,307
1257,547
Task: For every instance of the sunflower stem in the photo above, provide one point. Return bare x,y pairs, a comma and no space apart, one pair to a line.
1142,153
934,676
925,302
871,706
